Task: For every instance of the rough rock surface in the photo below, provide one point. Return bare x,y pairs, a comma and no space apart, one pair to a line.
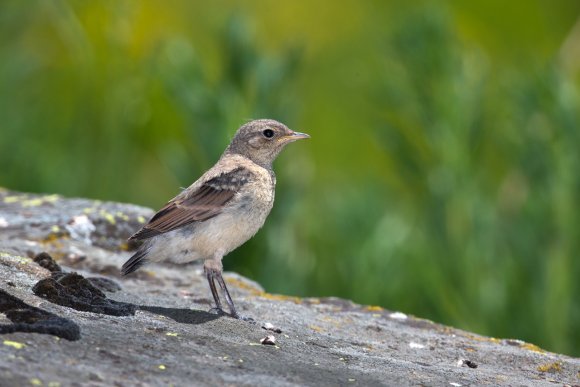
169,338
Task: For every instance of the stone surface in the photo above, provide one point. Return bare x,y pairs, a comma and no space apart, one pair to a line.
171,339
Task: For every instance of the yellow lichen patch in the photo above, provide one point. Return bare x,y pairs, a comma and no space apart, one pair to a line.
108,217
255,291
89,210
171,334
482,338
280,297
316,328
32,202
36,382
14,344
122,216
12,199
55,229
35,202
124,246
51,198
141,219
18,258
162,367
374,308
532,347
53,238
244,285
551,367
314,301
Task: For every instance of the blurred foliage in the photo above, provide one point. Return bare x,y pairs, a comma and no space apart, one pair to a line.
442,174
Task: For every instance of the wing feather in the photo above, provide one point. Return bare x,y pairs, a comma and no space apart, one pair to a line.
204,203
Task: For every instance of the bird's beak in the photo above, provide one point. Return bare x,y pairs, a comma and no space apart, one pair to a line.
296,136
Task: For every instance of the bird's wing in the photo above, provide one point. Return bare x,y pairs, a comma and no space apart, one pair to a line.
207,201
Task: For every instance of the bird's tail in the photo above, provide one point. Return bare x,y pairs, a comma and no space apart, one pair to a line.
135,262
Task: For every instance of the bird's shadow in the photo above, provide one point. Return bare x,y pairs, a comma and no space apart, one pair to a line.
184,316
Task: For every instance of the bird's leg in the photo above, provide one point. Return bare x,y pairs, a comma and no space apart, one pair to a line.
212,269
229,300
210,279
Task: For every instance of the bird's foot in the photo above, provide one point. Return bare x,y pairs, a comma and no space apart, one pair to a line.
221,312
246,319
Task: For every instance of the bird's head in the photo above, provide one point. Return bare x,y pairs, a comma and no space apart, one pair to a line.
262,140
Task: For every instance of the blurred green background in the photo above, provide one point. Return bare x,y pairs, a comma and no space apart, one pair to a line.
443,174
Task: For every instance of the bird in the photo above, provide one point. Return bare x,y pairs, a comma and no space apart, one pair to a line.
221,210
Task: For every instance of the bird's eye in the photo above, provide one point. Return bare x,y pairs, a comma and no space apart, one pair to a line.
268,133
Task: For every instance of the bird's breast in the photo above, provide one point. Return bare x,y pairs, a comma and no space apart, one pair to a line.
240,219
254,202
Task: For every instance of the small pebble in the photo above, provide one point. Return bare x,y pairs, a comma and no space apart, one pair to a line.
268,340
466,362
398,316
270,327
470,364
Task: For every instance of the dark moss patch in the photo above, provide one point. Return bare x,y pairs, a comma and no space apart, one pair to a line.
27,318
77,292
105,284
46,261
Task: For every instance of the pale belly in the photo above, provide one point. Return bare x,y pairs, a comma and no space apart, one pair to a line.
215,237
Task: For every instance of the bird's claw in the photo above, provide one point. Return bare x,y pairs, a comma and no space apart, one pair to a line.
247,319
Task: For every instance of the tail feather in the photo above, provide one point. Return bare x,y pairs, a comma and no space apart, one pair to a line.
135,262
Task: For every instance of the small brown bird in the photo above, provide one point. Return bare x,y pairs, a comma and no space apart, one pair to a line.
224,208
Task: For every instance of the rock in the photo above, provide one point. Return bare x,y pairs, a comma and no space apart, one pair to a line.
172,339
